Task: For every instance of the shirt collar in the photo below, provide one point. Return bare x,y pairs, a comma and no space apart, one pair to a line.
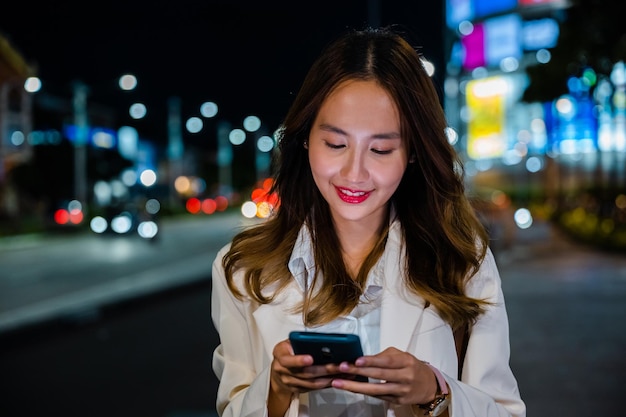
302,264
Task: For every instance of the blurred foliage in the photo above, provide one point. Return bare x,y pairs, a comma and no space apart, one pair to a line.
594,216
592,35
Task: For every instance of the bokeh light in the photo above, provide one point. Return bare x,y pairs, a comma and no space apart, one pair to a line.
252,123
32,84
248,209
122,223
148,177
153,206
193,205
138,111
194,124
147,229
208,109
265,143
237,136
128,82
221,203
209,206
61,216
98,224
523,218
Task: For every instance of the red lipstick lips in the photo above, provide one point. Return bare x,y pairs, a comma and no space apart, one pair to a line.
352,196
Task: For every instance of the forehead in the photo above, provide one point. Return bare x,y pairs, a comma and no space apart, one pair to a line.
358,100
359,88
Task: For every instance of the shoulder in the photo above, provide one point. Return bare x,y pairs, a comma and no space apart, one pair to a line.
223,251
486,283
219,257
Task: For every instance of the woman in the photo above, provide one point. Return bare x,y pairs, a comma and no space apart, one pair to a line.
375,237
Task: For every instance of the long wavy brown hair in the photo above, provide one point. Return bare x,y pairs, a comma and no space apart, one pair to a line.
444,241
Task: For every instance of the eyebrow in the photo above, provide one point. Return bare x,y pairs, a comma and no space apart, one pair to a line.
383,135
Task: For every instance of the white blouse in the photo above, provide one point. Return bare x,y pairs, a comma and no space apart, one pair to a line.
363,320
388,316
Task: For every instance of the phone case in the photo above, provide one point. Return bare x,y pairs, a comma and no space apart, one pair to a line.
327,347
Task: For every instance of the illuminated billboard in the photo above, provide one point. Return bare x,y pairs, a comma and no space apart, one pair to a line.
486,127
492,41
458,11
555,3
540,33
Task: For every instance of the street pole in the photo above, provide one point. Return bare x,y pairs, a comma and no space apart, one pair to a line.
262,157
175,145
79,102
224,159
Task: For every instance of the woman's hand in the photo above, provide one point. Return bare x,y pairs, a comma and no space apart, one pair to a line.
294,374
403,378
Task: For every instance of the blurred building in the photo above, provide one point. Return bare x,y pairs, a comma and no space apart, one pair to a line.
563,149
15,120
492,43
57,135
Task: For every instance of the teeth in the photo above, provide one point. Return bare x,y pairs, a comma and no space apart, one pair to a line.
353,194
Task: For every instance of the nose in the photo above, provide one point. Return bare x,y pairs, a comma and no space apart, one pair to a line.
354,168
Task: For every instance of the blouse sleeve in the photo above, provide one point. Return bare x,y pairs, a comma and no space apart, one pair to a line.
242,371
488,386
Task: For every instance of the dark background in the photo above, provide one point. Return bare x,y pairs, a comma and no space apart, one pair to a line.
248,56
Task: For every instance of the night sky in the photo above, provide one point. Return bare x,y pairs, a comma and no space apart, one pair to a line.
247,56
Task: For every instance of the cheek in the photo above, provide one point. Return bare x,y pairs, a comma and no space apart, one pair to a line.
320,167
392,176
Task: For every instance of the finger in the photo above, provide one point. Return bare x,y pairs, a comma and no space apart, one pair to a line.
391,392
296,361
392,359
376,373
374,389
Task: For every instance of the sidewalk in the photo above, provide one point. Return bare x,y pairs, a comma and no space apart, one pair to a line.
565,303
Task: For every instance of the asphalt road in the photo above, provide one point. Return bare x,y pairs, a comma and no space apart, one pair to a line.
50,276
144,358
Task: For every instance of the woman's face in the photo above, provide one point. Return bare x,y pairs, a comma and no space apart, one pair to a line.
356,153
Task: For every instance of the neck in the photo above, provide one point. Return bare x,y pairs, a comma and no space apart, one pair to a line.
357,240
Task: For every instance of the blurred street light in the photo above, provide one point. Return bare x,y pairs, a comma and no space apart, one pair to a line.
208,109
251,123
128,82
32,84
237,136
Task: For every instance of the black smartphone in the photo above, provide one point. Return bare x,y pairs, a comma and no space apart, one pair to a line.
327,347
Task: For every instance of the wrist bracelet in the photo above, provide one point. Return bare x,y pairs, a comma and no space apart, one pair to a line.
441,381
442,397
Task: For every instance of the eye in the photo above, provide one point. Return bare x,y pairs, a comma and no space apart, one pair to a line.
334,146
382,151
